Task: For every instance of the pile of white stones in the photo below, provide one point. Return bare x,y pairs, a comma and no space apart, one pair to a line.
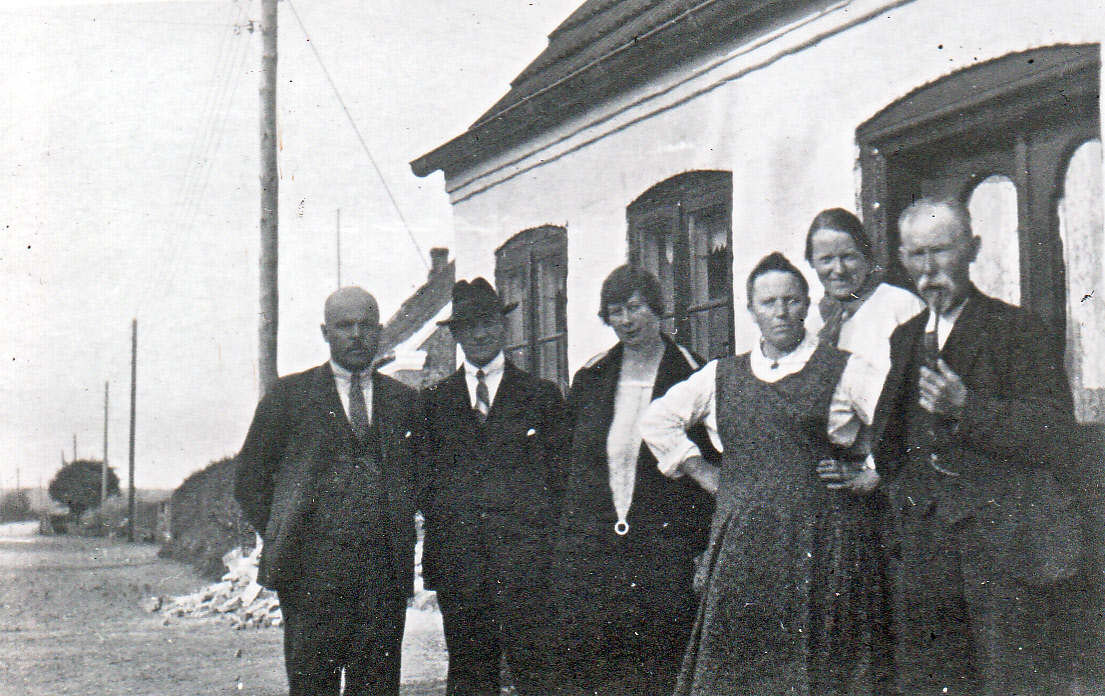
236,596
239,598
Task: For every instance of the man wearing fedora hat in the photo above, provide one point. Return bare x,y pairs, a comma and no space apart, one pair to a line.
495,442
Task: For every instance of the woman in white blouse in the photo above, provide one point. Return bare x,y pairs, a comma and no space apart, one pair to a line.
624,557
858,312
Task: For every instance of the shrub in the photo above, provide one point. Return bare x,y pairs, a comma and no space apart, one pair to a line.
77,485
15,506
205,520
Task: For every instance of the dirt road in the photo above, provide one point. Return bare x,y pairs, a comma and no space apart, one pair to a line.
72,622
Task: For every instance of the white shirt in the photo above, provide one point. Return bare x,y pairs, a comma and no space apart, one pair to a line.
665,423
492,375
947,323
342,380
623,442
867,332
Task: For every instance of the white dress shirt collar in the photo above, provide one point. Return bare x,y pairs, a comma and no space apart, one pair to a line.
342,380
947,322
772,370
493,375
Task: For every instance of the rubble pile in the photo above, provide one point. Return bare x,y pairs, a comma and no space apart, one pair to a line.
236,596
239,598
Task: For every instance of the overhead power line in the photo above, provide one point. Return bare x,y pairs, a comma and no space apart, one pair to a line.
357,131
226,72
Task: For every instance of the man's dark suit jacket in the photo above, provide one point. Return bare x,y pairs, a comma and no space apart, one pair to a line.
299,434
1015,428
510,469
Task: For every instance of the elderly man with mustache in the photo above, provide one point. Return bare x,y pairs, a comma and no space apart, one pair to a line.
973,417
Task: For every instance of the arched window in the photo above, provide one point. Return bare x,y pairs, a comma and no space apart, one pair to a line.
1018,117
531,268
1080,227
997,270
681,230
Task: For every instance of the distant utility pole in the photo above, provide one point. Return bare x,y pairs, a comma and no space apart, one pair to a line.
133,401
103,464
269,199
74,447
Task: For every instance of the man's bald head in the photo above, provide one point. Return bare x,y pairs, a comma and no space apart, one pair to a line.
351,296
352,328
927,211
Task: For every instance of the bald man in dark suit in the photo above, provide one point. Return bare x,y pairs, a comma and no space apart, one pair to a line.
328,476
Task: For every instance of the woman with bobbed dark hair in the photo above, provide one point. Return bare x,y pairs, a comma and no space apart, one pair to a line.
624,559
858,311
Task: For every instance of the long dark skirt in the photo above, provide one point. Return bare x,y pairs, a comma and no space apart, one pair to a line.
795,600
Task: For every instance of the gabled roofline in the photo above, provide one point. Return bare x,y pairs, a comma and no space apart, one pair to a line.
707,27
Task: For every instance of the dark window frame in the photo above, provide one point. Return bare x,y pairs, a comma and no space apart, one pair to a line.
531,250
1021,115
669,209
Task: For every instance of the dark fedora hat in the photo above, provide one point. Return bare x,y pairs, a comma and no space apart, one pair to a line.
472,300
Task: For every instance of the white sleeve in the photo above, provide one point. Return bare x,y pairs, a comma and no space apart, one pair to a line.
665,423
854,400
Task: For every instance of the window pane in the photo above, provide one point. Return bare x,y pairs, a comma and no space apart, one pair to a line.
512,288
551,291
709,238
658,256
681,230
1080,227
552,362
997,270
710,334
531,268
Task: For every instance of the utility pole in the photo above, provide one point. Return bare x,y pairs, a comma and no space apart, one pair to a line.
133,401
103,464
74,447
269,200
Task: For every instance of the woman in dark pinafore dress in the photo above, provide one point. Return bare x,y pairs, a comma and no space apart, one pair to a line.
788,599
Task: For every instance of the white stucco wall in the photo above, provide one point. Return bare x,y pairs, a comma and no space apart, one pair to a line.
781,116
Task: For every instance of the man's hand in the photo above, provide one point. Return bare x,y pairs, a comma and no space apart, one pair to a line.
942,391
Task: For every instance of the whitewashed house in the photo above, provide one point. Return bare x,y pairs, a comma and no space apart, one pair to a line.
695,136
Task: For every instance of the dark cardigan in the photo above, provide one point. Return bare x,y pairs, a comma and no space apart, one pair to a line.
660,505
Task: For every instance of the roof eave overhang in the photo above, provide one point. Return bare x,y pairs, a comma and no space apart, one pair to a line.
713,24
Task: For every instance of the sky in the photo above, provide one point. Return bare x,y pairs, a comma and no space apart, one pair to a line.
130,154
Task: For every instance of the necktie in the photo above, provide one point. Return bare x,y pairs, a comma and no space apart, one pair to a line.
358,410
483,397
930,356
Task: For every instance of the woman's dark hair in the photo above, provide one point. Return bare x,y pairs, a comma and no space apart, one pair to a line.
775,261
840,220
626,280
